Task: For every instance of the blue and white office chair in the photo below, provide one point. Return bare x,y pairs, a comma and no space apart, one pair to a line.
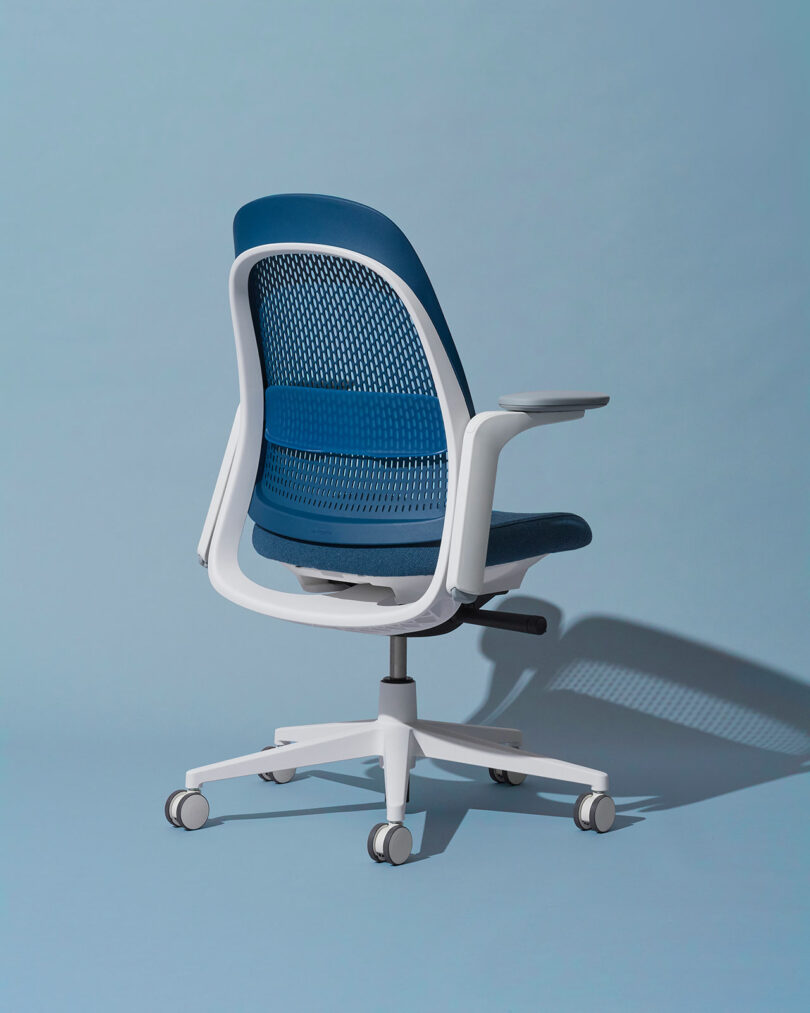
358,456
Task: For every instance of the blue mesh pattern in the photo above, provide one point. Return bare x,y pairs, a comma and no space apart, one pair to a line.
325,323
333,221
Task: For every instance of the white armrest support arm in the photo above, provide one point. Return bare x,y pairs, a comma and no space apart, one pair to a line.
484,438
204,543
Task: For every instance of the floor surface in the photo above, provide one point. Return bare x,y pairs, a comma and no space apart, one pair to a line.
690,903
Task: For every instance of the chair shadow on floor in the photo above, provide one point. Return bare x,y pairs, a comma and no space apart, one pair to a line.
671,720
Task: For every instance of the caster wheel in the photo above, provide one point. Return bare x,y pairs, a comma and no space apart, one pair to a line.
506,776
594,811
168,808
370,842
186,809
579,824
390,842
279,776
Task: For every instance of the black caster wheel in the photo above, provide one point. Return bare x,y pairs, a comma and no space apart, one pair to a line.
506,776
279,776
390,842
186,809
594,811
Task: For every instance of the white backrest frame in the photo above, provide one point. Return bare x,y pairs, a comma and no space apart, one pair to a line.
435,605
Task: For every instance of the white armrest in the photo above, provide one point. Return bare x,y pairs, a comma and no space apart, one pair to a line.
219,491
553,401
484,438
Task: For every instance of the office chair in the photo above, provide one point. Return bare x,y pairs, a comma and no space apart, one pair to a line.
358,456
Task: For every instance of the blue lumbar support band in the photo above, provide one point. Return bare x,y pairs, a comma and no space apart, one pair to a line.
358,422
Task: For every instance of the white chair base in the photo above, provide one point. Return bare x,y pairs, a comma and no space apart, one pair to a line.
399,739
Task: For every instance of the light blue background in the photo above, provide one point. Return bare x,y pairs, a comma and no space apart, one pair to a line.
606,196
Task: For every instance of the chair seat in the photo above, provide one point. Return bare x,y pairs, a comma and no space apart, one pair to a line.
512,537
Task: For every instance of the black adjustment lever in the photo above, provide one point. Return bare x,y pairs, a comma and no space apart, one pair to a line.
512,621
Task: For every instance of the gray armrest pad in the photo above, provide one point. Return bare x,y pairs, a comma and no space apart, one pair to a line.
553,401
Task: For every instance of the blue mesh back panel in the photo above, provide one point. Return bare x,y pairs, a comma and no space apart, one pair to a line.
354,450
333,221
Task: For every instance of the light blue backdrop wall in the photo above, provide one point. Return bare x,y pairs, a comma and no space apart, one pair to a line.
606,196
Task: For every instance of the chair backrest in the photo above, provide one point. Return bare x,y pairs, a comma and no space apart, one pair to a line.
354,447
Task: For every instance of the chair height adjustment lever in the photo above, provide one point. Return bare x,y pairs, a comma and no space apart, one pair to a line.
515,622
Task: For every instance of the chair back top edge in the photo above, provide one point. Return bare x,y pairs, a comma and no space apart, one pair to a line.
335,221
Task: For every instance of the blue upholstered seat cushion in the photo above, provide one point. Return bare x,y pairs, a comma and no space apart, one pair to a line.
511,537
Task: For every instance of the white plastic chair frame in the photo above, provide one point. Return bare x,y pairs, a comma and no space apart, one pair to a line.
473,448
